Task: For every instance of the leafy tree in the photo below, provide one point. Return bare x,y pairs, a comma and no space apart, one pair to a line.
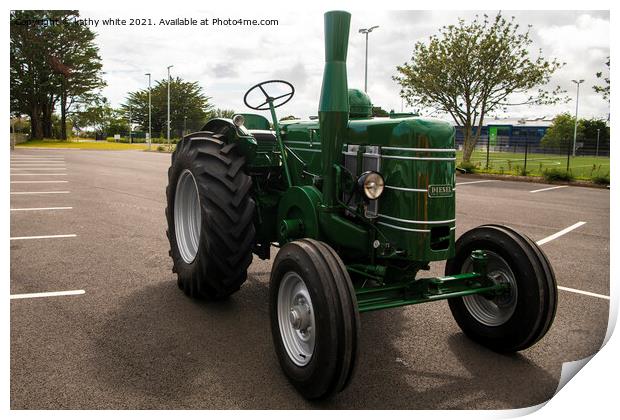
221,113
74,58
377,111
590,132
560,134
604,89
289,117
97,115
471,69
189,106
54,62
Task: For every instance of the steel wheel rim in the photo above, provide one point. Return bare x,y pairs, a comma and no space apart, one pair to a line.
187,216
296,319
497,310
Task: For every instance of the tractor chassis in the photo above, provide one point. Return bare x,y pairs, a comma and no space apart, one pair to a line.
430,289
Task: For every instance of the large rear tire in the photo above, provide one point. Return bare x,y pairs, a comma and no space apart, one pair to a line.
314,318
210,215
519,318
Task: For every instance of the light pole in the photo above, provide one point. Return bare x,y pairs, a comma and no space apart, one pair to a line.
598,136
129,125
366,32
578,82
169,67
149,75
184,125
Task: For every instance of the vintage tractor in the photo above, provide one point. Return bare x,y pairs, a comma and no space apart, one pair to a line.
357,206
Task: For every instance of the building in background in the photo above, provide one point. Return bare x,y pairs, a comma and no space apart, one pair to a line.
507,133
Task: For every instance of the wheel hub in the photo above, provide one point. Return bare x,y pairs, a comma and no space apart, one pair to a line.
494,310
187,216
296,319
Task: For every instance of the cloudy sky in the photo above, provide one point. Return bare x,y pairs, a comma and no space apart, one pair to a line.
228,60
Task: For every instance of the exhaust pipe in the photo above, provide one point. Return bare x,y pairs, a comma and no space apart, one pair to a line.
334,102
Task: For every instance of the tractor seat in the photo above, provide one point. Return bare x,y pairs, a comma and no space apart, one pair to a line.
264,136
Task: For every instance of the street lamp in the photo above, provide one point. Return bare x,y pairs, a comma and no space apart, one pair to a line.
184,125
366,32
169,67
130,125
598,136
578,82
149,75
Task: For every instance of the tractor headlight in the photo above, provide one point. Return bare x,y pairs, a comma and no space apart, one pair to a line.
238,120
372,184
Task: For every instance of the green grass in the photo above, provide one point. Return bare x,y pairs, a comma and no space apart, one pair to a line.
83,144
581,167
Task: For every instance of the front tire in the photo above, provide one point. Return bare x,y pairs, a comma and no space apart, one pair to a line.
314,318
210,217
519,318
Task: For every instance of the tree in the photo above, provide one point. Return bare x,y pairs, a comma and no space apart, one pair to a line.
53,61
591,131
377,111
189,106
221,113
561,132
604,90
97,115
74,59
471,69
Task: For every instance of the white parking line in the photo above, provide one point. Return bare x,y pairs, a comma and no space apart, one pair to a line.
550,188
40,169
36,165
557,235
42,208
39,192
474,182
48,294
582,292
38,182
19,238
36,157
560,233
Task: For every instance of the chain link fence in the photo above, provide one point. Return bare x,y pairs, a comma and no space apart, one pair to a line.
589,160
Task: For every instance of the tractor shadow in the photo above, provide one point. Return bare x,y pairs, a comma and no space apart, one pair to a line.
159,349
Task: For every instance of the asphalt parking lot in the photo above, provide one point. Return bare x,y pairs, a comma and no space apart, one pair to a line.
116,332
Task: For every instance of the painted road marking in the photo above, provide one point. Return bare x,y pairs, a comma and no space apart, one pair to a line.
560,233
37,182
48,294
36,165
40,169
42,208
39,192
19,238
582,292
557,235
548,189
38,174
474,182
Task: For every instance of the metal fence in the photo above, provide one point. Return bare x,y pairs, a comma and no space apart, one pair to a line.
589,160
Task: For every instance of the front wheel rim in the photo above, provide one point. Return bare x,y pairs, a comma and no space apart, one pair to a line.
296,319
187,216
497,310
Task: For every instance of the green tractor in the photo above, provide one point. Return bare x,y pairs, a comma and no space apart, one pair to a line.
357,206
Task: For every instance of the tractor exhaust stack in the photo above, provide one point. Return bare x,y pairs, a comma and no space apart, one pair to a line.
334,102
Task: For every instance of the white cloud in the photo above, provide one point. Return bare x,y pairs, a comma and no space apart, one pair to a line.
228,60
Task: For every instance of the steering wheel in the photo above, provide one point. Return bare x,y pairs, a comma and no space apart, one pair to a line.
265,105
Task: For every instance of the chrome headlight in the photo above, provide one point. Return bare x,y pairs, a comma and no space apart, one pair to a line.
238,120
372,184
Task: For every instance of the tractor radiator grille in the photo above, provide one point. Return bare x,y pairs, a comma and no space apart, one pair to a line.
359,159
